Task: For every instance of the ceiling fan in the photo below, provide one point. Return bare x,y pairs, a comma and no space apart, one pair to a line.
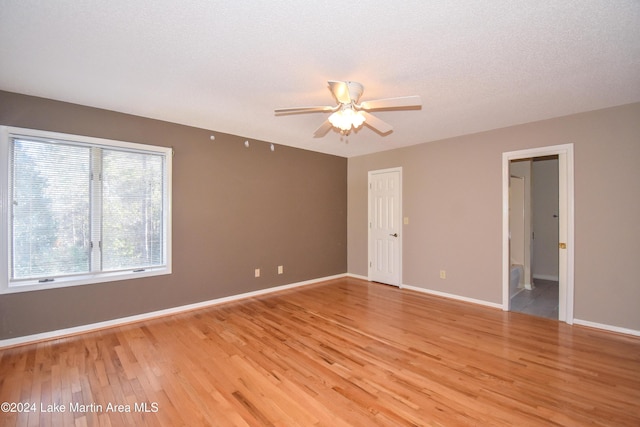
349,114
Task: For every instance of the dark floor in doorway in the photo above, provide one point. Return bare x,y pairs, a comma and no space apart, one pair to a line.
542,301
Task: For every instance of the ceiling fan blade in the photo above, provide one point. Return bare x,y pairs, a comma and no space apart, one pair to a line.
376,124
401,102
340,91
292,110
323,129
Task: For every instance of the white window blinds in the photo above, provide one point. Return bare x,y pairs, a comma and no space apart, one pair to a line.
50,195
132,220
79,208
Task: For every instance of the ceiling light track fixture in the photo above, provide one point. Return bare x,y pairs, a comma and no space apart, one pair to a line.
349,115
272,146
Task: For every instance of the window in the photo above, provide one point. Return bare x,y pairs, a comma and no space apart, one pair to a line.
81,210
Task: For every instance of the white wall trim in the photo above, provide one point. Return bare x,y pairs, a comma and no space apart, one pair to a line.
60,333
566,189
601,326
452,296
27,339
357,276
605,327
546,277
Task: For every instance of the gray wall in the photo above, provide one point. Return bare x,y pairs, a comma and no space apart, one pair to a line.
453,197
234,210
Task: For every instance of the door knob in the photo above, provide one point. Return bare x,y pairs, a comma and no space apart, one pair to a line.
394,235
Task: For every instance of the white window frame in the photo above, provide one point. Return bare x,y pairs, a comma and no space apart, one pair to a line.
9,286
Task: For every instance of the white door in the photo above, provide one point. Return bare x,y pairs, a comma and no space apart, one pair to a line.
385,239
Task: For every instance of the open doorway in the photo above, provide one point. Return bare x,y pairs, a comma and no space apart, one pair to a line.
534,236
523,264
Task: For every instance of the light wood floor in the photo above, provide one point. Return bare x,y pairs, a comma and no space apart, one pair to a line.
341,353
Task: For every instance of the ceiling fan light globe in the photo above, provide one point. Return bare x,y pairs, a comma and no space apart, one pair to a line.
357,119
335,119
340,120
346,118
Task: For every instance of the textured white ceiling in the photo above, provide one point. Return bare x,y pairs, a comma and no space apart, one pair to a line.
225,65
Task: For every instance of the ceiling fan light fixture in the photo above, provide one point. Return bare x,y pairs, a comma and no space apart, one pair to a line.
358,119
346,118
350,113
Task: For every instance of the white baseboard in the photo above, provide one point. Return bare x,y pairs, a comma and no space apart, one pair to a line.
452,296
609,328
587,323
546,277
357,276
11,342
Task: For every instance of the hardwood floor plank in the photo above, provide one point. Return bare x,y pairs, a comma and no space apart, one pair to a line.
341,353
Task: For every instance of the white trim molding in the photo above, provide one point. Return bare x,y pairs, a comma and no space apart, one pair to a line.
605,327
546,277
566,211
357,276
452,296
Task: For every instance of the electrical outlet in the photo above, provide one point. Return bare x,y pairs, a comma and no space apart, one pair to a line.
443,274
257,272
280,269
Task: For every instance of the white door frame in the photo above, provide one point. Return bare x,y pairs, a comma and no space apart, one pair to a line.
400,232
566,224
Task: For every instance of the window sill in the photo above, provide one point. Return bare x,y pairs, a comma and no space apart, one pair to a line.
84,279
